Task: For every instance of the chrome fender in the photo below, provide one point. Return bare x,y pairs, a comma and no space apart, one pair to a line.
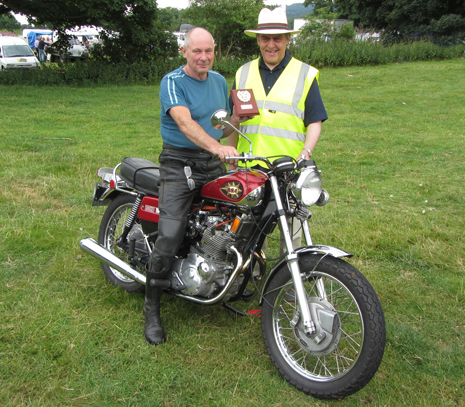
319,249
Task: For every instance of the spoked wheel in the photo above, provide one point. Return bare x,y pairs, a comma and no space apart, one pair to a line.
111,228
345,351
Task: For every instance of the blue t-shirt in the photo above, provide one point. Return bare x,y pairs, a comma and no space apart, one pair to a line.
201,97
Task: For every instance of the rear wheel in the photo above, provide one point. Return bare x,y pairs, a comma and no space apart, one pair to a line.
111,228
345,351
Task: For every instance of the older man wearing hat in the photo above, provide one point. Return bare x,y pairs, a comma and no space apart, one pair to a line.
287,94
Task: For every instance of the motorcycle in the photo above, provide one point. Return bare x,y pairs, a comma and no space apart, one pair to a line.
322,322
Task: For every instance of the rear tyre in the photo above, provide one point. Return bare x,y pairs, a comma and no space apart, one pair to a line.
111,228
345,351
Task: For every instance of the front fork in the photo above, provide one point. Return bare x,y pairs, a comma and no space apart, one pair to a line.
293,262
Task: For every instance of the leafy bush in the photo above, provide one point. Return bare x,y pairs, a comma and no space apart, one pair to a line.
339,52
230,66
91,73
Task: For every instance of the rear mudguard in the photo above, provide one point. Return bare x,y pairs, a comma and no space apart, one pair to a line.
321,249
104,194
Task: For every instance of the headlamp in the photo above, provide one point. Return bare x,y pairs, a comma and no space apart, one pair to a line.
308,187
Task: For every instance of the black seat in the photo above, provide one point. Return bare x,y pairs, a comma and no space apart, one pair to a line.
140,174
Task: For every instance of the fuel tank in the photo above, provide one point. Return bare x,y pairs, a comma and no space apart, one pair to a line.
241,187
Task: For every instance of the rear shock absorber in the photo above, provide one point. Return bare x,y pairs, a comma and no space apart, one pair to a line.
131,219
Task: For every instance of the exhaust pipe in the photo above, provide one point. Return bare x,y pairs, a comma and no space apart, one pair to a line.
90,246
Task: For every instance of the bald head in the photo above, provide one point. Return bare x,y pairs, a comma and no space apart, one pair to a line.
198,33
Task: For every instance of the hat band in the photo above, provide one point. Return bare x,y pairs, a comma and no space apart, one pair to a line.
273,26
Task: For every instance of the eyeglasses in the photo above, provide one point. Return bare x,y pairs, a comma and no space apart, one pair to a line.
188,174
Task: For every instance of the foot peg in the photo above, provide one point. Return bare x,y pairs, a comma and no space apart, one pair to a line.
160,283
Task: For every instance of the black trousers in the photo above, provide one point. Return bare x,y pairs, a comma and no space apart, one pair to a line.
176,197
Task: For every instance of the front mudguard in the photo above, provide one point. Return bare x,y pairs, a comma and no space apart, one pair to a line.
316,250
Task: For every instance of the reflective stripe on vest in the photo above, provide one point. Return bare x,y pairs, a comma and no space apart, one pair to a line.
272,132
281,117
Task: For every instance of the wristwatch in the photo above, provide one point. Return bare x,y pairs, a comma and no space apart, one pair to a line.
308,151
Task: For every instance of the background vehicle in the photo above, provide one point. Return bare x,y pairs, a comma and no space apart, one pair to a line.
16,54
74,51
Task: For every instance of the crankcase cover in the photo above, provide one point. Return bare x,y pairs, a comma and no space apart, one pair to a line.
241,187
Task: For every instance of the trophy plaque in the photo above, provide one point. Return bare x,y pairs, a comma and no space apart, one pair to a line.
244,102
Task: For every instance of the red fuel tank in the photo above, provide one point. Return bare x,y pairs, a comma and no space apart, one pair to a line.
242,187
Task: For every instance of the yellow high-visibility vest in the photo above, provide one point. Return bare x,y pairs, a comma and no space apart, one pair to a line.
279,129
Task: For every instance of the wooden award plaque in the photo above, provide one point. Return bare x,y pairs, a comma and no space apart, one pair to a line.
244,102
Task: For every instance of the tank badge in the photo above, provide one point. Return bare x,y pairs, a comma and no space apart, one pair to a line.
232,190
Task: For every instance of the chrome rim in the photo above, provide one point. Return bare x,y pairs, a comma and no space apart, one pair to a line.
332,351
114,230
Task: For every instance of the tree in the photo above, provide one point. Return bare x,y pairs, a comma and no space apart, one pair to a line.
314,29
227,20
321,24
131,30
171,18
323,8
443,21
9,23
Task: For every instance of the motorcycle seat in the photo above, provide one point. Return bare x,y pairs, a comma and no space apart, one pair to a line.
140,174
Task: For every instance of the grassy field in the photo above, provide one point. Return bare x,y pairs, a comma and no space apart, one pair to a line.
392,158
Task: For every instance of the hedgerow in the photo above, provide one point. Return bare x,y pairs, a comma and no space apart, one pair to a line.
316,53
339,53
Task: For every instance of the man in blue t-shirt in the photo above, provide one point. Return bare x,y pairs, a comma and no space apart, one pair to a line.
191,156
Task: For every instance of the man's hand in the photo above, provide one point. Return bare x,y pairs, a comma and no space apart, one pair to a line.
237,120
226,151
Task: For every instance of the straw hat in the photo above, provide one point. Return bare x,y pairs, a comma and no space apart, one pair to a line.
272,22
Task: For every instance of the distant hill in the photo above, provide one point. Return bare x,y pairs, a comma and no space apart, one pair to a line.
297,10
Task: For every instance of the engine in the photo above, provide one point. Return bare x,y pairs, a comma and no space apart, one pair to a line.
207,267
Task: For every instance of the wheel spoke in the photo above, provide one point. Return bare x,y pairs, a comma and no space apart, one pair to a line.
333,353
116,225
351,341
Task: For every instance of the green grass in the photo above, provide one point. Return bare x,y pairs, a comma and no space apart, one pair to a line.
392,158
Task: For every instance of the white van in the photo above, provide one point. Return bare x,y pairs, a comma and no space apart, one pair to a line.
15,53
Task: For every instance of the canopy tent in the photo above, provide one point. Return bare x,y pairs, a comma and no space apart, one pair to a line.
32,35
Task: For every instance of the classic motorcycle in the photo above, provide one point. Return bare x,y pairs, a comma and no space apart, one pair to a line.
322,322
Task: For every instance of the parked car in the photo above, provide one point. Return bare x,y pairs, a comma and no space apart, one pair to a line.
16,54
74,52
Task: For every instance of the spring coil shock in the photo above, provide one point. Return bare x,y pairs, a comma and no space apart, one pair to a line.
135,209
131,218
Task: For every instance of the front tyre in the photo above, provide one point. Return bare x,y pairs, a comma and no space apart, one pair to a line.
111,228
345,351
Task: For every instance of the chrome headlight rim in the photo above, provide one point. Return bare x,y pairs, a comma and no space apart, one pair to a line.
308,187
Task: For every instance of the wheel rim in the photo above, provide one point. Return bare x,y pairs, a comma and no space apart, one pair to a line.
333,350
114,230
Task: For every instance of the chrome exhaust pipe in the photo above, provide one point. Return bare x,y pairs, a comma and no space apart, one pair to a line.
90,246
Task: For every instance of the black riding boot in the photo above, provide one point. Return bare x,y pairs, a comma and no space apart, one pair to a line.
170,235
159,267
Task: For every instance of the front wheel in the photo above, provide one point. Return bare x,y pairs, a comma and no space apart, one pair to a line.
345,351
111,228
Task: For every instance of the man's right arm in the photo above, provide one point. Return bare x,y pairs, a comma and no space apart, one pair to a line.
194,132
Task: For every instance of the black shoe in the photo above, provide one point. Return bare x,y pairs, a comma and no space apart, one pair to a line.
153,332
